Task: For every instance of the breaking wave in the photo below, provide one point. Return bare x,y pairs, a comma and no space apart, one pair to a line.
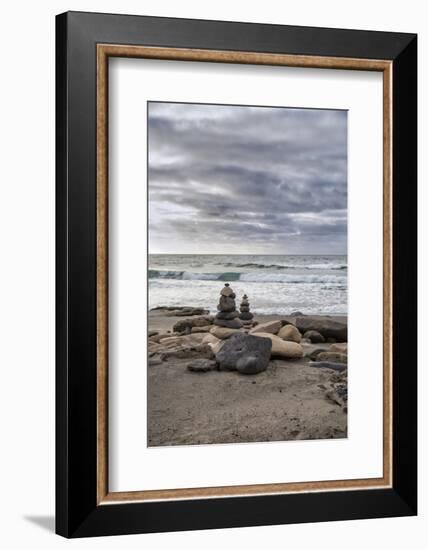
252,277
289,266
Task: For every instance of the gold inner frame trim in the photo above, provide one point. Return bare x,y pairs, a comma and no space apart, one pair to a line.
104,51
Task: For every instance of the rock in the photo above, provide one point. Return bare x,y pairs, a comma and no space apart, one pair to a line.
330,340
227,291
210,339
153,348
296,314
201,365
281,348
251,364
189,339
290,333
313,355
188,312
246,316
327,365
202,320
341,348
327,327
233,323
227,315
158,337
172,340
188,324
184,352
314,336
333,357
226,304
153,333
213,342
181,310
182,347
204,350
241,346
206,328
271,327
215,348
223,333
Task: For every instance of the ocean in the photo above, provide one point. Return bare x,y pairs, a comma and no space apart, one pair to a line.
274,284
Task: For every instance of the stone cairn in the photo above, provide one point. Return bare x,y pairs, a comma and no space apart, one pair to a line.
246,315
227,315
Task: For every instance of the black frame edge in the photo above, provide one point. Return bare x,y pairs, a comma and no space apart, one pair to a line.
61,444
77,514
238,36
223,513
404,173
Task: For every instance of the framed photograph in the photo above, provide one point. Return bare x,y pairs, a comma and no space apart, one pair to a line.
236,274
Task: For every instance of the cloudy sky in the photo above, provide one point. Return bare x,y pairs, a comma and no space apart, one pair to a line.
248,180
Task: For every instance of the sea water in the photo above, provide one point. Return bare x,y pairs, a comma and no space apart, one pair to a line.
274,284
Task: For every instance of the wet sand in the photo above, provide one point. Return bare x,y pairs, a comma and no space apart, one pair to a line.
286,402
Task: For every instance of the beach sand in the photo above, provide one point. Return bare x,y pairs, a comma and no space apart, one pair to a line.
286,402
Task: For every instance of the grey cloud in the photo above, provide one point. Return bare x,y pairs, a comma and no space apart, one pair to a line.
241,179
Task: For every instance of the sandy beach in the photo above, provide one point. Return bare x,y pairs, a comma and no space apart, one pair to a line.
290,400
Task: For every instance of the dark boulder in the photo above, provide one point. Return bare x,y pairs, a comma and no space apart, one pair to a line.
246,353
227,315
233,323
226,304
314,336
329,328
313,355
186,312
250,364
186,325
180,311
246,316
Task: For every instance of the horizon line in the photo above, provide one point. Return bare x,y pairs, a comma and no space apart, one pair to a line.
240,254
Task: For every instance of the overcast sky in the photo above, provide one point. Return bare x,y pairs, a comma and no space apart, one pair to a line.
248,180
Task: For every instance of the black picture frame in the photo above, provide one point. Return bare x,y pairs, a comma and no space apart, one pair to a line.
77,511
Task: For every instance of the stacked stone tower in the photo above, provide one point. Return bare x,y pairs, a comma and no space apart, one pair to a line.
227,315
246,316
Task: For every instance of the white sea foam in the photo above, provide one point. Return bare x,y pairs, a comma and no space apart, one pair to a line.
255,277
274,284
297,279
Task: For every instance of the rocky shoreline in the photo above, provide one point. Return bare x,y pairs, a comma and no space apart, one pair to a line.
203,374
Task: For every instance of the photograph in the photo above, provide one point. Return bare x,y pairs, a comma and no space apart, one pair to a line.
235,230
247,273
211,212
